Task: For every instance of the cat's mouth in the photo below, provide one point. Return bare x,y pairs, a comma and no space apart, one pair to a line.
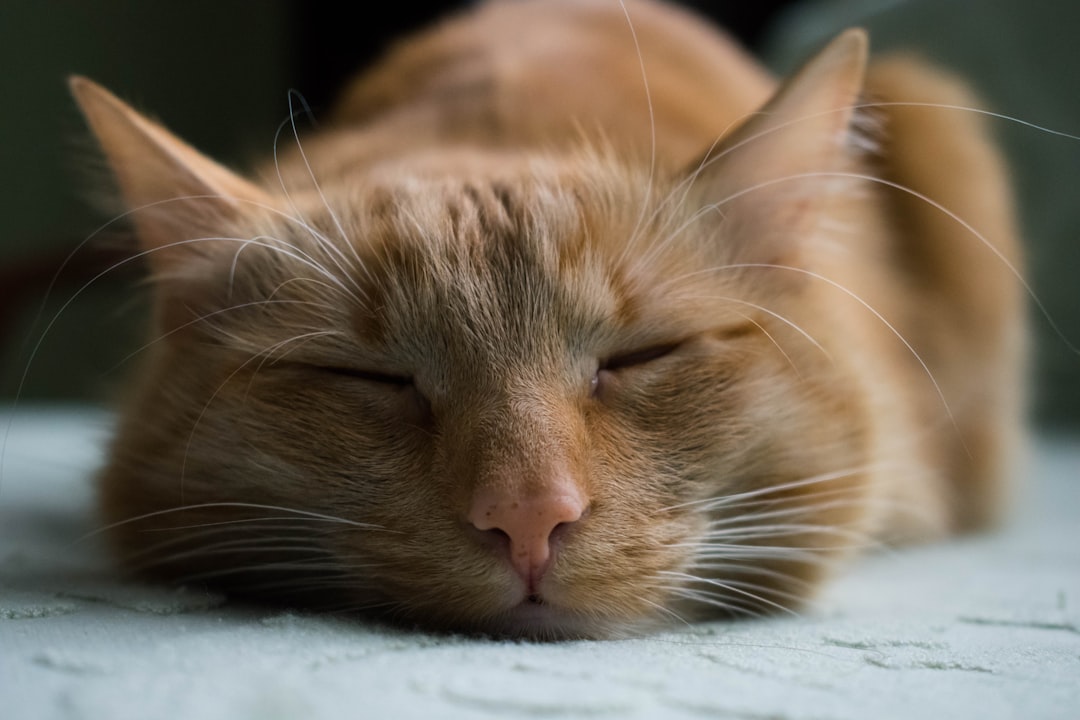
537,618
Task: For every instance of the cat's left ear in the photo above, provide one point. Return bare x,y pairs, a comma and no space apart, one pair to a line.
174,192
772,179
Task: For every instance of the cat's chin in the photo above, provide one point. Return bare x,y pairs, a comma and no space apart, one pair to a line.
535,619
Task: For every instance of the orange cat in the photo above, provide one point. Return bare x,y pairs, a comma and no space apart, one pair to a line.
571,323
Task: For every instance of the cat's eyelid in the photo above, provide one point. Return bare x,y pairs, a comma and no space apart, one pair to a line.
639,357
373,376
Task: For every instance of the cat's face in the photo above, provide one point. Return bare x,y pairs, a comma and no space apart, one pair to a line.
538,396
489,336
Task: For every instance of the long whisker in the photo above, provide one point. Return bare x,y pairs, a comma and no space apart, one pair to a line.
638,226
760,308
215,313
775,530
719,565
746,588
337,256
731,551
881,318
963,108
687,184
263,522
805,501
1017,275
729,602
244,505
733,605
776,343
666,611
779,487
257,538
292,95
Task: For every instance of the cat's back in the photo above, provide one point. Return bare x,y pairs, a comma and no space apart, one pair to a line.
548,73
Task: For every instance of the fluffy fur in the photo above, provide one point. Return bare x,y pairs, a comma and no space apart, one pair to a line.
589,261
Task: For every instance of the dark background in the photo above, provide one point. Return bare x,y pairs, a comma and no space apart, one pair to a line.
217,72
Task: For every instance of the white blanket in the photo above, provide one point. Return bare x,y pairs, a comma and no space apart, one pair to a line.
982,628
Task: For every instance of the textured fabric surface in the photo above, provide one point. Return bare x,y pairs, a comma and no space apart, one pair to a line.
983,628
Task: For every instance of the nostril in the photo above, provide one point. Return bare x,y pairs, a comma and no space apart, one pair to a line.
562,528
528,528
496,537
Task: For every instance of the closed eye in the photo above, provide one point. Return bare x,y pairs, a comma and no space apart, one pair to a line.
416,407
638,357
370,376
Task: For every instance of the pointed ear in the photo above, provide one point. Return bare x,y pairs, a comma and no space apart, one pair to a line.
770,177
175,193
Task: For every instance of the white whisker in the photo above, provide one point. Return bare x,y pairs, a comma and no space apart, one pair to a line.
344,236
240,505
732,587
652,129
727,500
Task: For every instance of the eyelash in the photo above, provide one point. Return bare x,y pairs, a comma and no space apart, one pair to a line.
638,357
629,360
612,364
418,410
400,381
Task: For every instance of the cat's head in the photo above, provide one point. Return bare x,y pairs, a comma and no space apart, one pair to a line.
550,394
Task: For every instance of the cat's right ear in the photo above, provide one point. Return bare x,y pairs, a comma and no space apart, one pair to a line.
176,196
773,178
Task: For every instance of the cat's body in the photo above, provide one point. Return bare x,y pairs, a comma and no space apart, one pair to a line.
515,345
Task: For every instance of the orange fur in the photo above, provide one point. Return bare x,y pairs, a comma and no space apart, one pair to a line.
700,325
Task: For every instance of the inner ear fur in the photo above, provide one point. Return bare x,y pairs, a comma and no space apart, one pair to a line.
772,177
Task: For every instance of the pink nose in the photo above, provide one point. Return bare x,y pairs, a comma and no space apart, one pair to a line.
529,522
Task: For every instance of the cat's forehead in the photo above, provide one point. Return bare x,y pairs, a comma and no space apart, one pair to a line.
520,257
502,256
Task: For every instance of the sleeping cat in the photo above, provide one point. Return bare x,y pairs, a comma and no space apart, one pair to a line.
570,322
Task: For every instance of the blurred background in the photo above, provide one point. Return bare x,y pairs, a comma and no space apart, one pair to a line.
217,73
